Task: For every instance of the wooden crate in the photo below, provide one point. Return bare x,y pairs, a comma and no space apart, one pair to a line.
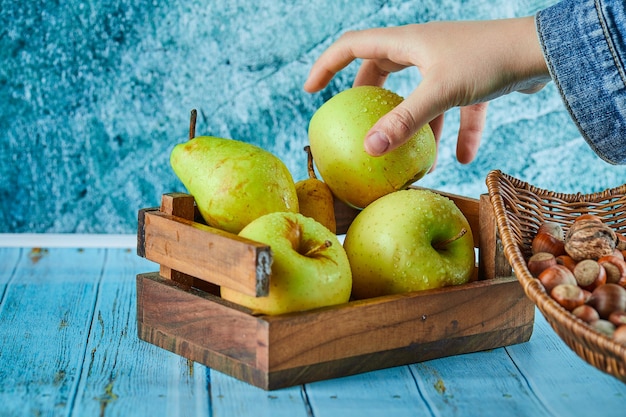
179,308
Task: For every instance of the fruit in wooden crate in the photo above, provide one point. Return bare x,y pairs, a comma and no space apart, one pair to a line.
409,240
233,182
315,198
310,268
336,134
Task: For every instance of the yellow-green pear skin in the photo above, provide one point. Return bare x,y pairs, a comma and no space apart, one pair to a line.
233,182
316,201
336,134
315,198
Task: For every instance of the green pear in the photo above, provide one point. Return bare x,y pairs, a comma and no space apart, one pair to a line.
315,198
336,134
233,182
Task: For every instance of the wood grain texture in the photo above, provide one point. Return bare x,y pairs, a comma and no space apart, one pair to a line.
42,320
279,351
68,342
68,347
274,352
207,253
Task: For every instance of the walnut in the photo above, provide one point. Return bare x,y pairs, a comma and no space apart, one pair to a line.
589,239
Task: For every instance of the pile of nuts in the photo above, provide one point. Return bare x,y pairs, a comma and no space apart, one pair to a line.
584,271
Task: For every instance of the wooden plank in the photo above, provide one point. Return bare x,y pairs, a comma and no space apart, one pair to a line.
395,357
396,395
363,327
181,321
493,262
279,351
45,319
9,258
487,226
482,384
207,253
232,397
121,375
564,383
183,206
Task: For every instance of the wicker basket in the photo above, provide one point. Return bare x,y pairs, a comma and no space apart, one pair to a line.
519,210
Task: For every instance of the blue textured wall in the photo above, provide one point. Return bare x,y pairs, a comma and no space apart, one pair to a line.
93,95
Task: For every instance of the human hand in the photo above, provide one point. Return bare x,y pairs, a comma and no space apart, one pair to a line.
463,64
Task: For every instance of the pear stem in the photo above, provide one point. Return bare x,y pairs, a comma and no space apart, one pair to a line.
310,167
444,243
192,124
315,249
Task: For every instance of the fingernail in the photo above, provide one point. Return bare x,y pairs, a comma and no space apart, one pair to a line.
376,143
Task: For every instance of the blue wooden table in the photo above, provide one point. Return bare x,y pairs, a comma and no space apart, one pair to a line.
68,347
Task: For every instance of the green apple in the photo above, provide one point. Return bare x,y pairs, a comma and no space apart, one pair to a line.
409,240
233,182
336,134
310,268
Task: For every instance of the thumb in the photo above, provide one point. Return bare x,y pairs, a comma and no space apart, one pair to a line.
401,123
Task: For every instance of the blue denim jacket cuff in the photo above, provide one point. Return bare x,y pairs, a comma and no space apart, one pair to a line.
584,46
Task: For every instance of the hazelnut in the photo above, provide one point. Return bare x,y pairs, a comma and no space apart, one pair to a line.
589,274
568,296
539,262
544,242
566,261
586,313
615,269
604,326
608,298
618,318
619,335
555,275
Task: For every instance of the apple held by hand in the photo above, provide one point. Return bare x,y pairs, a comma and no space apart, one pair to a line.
406,241
336,134
310,268
233,182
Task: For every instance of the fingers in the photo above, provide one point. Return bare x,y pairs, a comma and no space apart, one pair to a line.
470,131
436,125
368,44
338,56
370,73
396,127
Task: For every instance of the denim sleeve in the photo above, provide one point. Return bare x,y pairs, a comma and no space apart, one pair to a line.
584,44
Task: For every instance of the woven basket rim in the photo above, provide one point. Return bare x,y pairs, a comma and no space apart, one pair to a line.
596,348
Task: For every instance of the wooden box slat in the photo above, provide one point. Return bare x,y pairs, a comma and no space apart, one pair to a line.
207,253
297,348
278,351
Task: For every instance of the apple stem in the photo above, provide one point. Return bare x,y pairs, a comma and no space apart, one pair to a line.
192,124
310,167
315,249
444,243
